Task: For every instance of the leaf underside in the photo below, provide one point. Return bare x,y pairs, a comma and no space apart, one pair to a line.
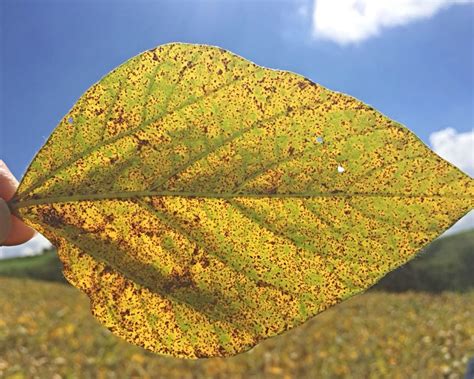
205,203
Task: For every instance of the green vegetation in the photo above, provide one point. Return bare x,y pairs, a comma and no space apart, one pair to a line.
45,266
445,265
47,331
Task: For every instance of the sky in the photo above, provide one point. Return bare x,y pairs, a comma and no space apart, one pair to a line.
413,60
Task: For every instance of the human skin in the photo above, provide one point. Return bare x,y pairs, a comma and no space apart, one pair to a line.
12,230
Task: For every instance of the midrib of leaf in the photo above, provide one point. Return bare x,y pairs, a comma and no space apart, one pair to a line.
126,133
17,204
155,187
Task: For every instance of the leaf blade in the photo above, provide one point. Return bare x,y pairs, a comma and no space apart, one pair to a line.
219,179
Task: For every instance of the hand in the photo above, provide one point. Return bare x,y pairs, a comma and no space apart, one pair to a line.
12,230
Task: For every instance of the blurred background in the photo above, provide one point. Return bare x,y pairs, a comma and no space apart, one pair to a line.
413,60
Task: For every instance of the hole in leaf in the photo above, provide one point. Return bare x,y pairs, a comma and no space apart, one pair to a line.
70,120
319,139
340,169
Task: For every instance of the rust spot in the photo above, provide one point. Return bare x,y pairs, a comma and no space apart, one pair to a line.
302,84
204,262
109,218
179,280
53,218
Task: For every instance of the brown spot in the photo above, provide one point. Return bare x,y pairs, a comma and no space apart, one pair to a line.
302,85
262,283
53,218
126,312
200,354
225,61
109,218
219,72
179,280
141,143
204,262
223,352
272,191
305,83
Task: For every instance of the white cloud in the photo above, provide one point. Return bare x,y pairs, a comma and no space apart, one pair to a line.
457,148
466,223
32,247
352,21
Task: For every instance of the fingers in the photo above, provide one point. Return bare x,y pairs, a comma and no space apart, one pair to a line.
8,182
18,231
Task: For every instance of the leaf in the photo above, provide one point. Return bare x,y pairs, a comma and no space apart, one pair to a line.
205,203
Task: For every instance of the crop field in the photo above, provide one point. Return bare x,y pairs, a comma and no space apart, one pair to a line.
46,331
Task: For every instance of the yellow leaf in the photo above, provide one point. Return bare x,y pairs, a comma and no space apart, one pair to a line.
205,203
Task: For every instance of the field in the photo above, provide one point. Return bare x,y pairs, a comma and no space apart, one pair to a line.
46,331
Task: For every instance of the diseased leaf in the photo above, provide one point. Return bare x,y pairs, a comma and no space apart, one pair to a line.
205,203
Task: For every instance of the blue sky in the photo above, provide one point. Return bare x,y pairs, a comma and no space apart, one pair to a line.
420,74
417,70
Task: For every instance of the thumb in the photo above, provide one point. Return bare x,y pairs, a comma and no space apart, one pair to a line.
12,230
